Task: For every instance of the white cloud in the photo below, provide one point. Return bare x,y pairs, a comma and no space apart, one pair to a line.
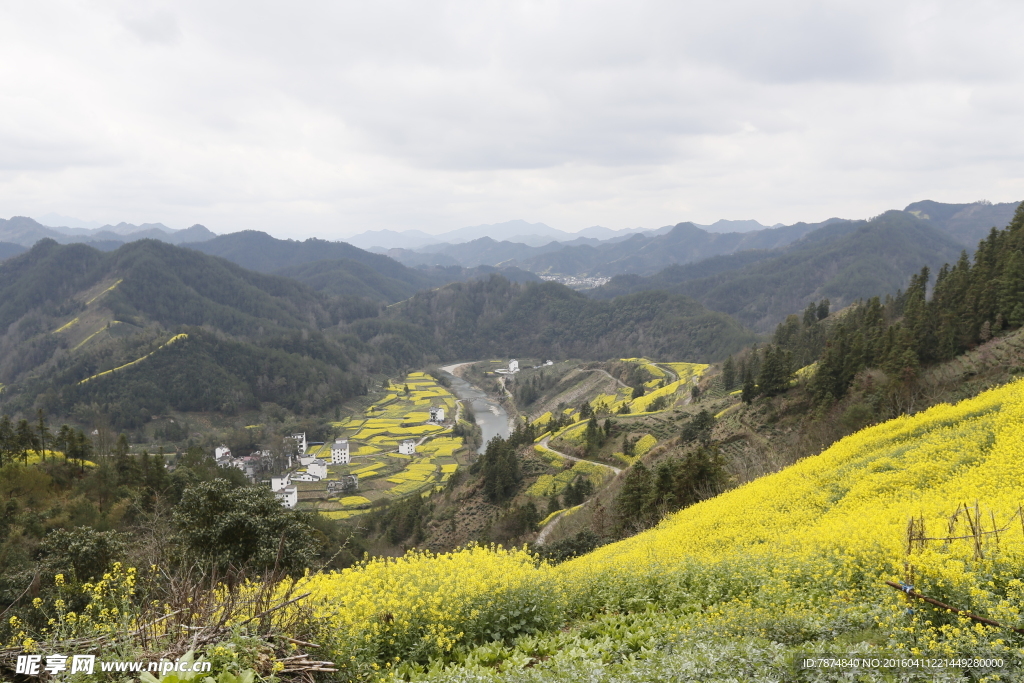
330,118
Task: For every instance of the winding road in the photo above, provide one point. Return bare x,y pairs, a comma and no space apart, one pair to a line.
542,537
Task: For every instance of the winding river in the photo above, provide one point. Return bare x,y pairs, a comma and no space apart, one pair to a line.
490,415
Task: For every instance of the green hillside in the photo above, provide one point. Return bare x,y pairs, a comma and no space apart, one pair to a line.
71,312
497,317
842,262
745,584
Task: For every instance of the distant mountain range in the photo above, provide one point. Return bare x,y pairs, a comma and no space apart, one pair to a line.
340,269
647,252
27,231
519,231
842,261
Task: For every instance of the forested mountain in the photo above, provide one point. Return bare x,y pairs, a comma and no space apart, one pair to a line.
338,268
151,327
966,223
498,317
180,330
971,301
843,261
644,253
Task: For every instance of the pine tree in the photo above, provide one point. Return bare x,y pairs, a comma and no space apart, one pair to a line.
728,374
631,503
823,307
749,389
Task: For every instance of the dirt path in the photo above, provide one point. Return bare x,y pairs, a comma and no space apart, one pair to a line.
617,381
546,531
542,537
669,371
546,439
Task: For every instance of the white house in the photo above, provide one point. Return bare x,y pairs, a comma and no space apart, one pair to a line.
407,447
437,415
513,366
339,452
305,476
318,468
289,496
300,442
306,460
221,453
279,483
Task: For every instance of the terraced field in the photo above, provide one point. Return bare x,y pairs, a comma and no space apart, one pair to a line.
374,439
622,402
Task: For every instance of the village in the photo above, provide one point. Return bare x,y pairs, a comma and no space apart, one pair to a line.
405,443
402,445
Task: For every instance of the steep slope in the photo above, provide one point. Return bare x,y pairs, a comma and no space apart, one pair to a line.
843,261
71,313
742,586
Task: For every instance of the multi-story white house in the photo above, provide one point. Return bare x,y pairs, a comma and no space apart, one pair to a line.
318,468
289,496
300,442
513,366
278,483
437,415
407,447
221,453
339,452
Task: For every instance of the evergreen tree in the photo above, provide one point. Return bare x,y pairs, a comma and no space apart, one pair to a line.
749,389
631,503
728,374
822,310
553,505
810,315
775,372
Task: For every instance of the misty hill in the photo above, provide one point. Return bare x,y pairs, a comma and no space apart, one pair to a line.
843,261
496,317
645,254
966,223
340,269
27,231
519,231
9,249
734,226
597,251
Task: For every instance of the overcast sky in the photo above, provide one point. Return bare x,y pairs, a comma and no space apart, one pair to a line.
331,118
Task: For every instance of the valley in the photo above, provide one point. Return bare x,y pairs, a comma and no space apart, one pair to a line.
706,467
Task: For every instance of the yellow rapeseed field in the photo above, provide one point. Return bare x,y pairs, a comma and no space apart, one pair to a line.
819,538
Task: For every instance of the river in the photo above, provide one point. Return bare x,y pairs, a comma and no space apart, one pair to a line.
490,415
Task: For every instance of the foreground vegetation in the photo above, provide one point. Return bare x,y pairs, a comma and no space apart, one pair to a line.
738,586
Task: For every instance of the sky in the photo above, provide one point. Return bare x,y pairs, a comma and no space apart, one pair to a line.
331,118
